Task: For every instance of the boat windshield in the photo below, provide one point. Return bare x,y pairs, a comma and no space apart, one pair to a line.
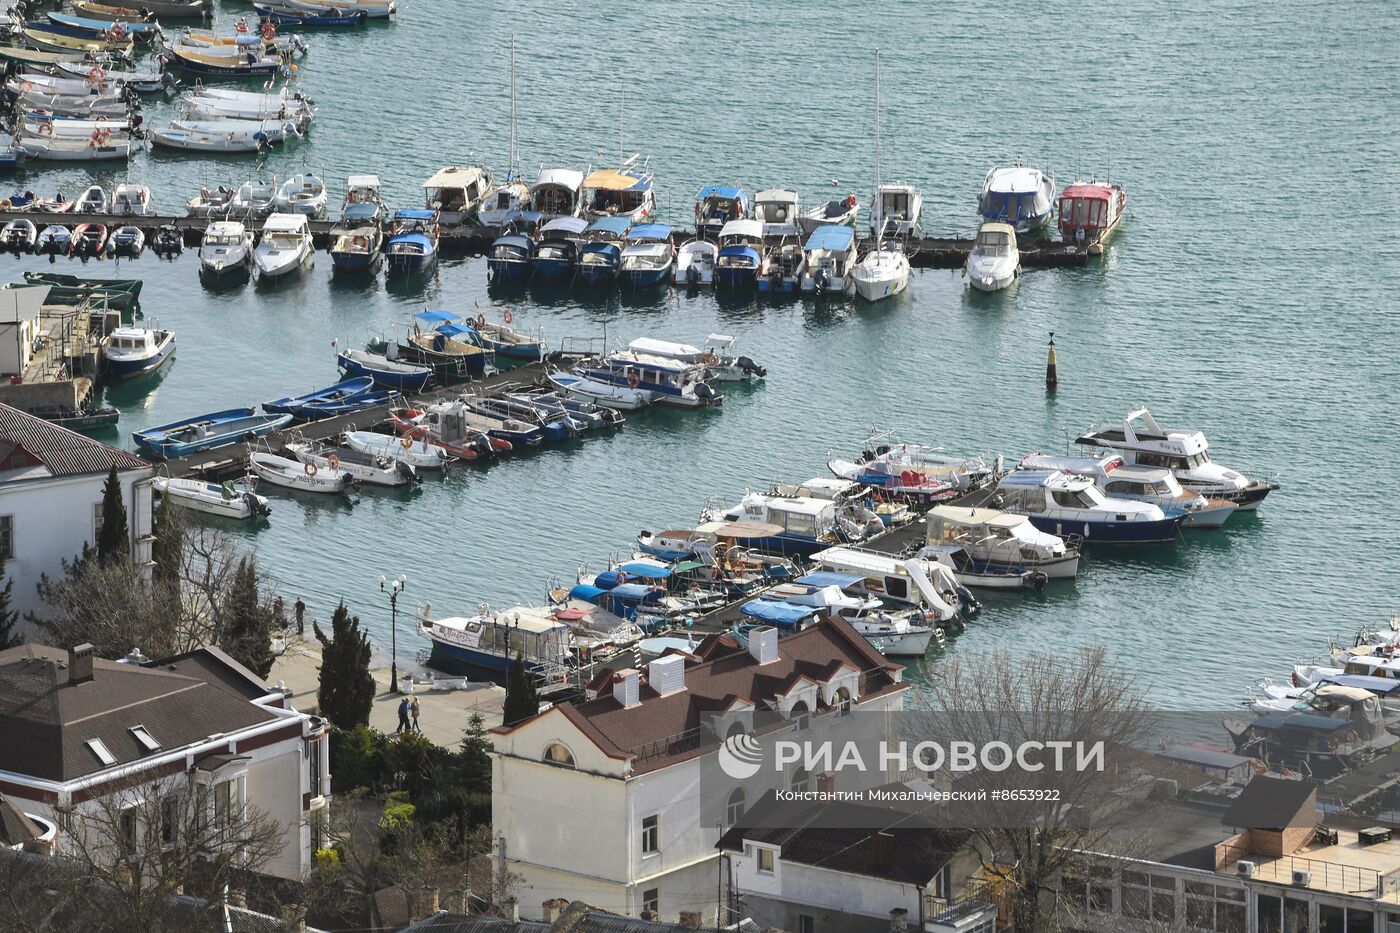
994,243
223,239
1076,498
278,239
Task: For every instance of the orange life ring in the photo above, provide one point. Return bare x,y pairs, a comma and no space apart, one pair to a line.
311,468
480,320
508,317
633,380
242,26
46,129
333,462
711,359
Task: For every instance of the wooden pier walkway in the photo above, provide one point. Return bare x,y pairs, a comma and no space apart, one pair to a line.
923,252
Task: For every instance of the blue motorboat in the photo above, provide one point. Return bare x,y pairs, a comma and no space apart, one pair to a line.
557,248
740,254
511,344
136,351
413,241
622,600
602,250
785,524
205,432
1072,505
330,408
405,377
789,616
648,256
86,27
509,259
555,425
342,391
671,381
357,239
283,16
717,205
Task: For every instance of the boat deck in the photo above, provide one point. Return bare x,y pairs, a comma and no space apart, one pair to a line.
467,240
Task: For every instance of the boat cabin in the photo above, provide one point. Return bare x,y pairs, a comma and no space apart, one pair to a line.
457,191
991,534
717,205
896,209
225,233
1059,495
910,582
1016,194
555,193
775,206
1149,444
620,192
362,189
797,516
1090,211
995,240
540,639
415,221
285,231
132,342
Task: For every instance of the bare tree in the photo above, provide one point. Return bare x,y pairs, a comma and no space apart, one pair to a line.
1036,823
144,844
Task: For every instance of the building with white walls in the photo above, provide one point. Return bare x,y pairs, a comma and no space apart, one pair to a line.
603,801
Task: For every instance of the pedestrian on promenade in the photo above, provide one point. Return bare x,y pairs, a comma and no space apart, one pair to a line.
414,710
403,717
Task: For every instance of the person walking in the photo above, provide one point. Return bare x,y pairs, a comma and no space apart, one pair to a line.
299,608
403,717
413,710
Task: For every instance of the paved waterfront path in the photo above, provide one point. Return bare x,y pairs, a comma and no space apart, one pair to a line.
444,713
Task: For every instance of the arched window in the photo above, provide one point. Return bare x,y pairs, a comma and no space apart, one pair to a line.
735,728
559,756
801,781
734,807
800,714
842,701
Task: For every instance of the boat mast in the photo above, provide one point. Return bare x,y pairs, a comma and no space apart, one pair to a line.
514,150
878,206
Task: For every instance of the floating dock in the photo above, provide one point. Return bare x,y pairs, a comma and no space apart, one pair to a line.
924,252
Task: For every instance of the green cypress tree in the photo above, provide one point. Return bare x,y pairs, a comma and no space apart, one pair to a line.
167,552
8,617
247,634
346,691
113,541
522,699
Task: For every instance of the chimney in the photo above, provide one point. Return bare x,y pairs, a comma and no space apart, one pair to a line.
667,674
80,664
690,920
899,920
882,849
511,908
763,644
553,908
626,684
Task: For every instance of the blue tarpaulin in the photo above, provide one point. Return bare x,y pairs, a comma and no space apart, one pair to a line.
437,316
829,578
783,614
644,570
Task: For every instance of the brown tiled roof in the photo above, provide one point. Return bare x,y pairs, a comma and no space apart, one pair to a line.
728,672
15,827
64,452
45,721
1272,803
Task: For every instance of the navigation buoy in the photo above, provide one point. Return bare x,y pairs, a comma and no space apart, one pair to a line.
1052,376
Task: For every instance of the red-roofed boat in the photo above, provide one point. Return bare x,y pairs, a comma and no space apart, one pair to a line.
1090,212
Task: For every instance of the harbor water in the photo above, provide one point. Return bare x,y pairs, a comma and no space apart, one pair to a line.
1251,294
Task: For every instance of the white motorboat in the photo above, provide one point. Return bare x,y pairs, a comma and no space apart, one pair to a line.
607,394
254,199
53,240
1002,541
207,105
457,192
374,469
927,585
830,261
210,202
1143,442
994,261
776,206
233,499
896,210
373,9
285,246
302,477
131,200
838,212
126,240
917,472
784,261
92,201
504,203
417,453
895,633
19,236
716,356
74,149
695,263
40,126
557,193
128,352
143,82
882,273
1018,195
303,194
982,574
227,247
216,136
1157,485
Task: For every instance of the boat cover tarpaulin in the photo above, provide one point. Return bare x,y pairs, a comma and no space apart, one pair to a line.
416,213
651,571
612,180
831,237
829,578
616,225
1274,721
782,614
650,232
453,177
437,317
719,191
633,591
587,593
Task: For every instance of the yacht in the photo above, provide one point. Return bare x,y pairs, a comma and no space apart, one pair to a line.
1019,195
884,270
136,351
1062,504
671,381
882,273
285,246
1143,442
1002,541
1157,485
896,210
1090,212
994,262
227,248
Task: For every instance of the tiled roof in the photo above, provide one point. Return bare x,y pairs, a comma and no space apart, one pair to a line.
46,721
15,827
1271,803
64,452
727,672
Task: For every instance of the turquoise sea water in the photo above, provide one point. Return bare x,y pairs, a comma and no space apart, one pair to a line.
1251,294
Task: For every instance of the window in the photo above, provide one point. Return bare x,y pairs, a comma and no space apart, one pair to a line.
800,715
801,781
765,861
126,828
558,755
1149,897
169,821
96,520
313,767
7,536
843,702
1360,921
651,901
228,803
148,741
806,923
897,588
734,807
100,750
651,835
1268,910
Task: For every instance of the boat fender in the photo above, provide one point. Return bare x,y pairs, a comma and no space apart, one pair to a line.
311,469
333,462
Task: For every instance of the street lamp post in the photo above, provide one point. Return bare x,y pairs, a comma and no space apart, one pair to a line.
393,588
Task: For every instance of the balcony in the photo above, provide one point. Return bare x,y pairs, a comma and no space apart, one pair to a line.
969,916
1346,868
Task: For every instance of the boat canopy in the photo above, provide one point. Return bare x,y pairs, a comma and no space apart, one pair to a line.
646,361
1273,722
437,317
1333,691
743,530
1090,192
587,592
565,225
650,232
655,347
562,177
362,181
455,176
749,229
644,570
614,225
634,591
1381,685
823,578
720,341
721,191
362,211
285,223
612,180
833,237
785,615
1050,479
415,213
992,518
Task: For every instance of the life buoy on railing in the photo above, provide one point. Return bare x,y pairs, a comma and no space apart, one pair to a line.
46,129
333,462
633,380
311,469
621,578
711,359
508,317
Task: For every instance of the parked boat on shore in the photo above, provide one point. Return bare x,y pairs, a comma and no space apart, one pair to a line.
205,432
236,499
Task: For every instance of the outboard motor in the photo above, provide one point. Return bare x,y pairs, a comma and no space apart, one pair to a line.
692,275
406,470
821,281
970,605
749,366
254,506
703,391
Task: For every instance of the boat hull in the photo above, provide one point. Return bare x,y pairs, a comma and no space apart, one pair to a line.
1162,531
472,662
735,277
638,279
355,262
131,369
552,270
901,645
410,263
407,382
